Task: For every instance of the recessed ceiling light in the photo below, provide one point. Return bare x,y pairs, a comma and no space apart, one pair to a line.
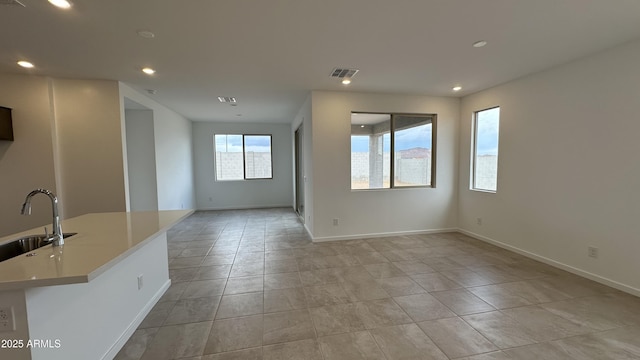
345,75
146,34
361,126
238,114
479,44
25,64
62,4
148,71
152,91
457,88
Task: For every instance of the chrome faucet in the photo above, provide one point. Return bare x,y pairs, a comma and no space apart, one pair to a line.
57,237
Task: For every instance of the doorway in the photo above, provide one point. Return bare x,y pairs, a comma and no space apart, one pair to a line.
141,157
299,170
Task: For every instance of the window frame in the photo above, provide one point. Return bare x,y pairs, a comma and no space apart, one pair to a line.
474,151
392,130
244,157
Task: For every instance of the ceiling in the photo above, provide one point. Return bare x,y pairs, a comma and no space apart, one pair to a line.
270,53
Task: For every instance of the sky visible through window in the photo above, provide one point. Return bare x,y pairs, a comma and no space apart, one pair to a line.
417,137
233,143
487,132
257,143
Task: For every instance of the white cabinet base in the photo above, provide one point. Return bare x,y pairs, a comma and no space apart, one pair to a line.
90,320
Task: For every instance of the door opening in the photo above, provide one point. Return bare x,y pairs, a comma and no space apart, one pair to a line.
299,169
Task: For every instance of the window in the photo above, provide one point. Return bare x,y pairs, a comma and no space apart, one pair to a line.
412,150
242,157
486,125
370,151
373,136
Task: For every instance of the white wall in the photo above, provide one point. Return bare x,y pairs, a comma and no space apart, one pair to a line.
274,192
67,140
70,139
141,160
89,146
27,162
568,171
376,212
173,152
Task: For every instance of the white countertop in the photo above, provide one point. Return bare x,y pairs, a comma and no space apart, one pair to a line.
102,240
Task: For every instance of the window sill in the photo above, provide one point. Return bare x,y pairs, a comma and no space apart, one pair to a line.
484,191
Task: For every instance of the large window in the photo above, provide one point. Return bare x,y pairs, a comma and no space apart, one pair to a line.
242,157
392,150
486,124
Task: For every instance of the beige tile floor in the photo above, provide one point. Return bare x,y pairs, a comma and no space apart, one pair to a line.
250,285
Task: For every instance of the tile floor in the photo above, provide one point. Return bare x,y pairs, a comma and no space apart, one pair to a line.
250,285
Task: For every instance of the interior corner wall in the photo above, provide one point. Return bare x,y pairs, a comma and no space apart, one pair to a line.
242,194
568,171
27,162
385,211
173,152
89,144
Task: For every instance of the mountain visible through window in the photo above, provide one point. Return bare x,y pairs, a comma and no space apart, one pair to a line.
391,150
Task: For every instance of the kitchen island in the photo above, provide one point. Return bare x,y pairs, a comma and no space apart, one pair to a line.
84,299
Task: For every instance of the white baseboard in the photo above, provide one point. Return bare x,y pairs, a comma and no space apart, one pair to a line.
374,235
117,346
245,207
591,276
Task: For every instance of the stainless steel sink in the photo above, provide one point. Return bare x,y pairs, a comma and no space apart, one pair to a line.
25,244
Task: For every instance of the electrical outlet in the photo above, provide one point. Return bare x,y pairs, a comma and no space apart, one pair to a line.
210,198
6,319
140,281
335,222
479,221
593,252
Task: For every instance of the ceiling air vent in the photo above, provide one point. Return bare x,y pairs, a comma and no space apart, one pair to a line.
11,2
227,99
343,73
